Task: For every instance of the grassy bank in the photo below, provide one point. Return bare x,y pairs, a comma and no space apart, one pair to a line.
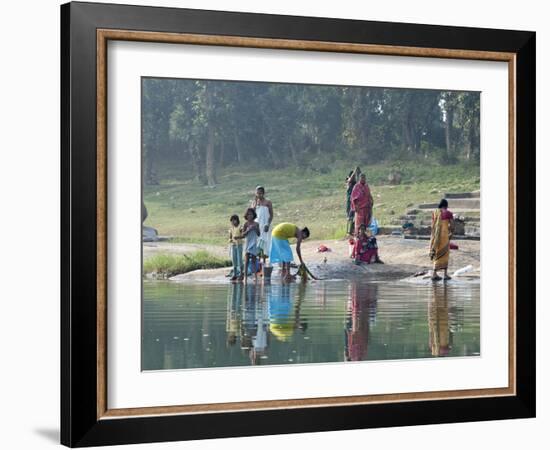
182,208
167,265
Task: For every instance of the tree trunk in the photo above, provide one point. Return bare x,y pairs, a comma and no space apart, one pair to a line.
292,150
470,141
222,151
417,139
237,146
407,138
403,136
210,158
449,130
198,165
272,156
467,149
149,172
366,125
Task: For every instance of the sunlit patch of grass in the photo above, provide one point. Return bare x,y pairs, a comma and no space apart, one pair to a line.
189,212
168,265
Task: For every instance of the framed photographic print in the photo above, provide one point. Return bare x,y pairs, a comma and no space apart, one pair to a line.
276,224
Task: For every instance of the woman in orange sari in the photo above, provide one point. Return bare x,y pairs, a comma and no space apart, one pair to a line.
361,201
442,226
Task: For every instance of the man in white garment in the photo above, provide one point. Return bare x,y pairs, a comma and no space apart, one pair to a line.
264,212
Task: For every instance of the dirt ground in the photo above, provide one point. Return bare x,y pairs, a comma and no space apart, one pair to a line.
402,258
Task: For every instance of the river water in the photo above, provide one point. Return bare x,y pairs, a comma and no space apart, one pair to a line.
202,325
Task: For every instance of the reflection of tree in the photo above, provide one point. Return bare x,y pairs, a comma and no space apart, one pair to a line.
440,339
361,311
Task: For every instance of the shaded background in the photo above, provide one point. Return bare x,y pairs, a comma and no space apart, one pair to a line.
207,143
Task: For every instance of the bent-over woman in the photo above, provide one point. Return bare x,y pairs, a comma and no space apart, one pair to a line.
281,252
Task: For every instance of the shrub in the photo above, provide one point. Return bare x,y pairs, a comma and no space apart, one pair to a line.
169,265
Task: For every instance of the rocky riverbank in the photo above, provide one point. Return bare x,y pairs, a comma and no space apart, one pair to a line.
402,258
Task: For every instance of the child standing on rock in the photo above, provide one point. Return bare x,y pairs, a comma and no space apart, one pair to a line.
236,246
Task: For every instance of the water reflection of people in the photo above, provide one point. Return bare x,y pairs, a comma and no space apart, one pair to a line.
253,324
259,341
263,311
232,322
248,317
361,312
284,311
440,336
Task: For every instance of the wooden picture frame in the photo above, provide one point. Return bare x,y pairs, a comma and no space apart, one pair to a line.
86,418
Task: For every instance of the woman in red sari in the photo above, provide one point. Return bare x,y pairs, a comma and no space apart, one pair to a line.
361,201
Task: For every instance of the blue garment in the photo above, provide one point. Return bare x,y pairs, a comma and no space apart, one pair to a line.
280,251
251,242
373,227
237,259
253,267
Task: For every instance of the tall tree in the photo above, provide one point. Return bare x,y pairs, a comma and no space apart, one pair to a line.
218,123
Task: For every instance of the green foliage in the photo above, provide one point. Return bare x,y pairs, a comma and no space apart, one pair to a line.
169,265
211,125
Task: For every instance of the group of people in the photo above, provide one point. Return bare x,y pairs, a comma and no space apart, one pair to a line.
359,203
260,241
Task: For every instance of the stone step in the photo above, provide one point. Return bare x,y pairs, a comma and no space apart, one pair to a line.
460,227
428,218
458,203
389,229
455,238
463,203
472,231
462,195
428,205
466,214
468,218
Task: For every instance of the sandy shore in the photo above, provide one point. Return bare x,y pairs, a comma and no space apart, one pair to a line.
402,259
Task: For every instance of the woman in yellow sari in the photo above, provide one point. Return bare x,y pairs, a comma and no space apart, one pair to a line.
442,226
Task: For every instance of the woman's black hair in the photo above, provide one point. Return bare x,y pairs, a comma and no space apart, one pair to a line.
443,203
234,217
306,231
250,210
